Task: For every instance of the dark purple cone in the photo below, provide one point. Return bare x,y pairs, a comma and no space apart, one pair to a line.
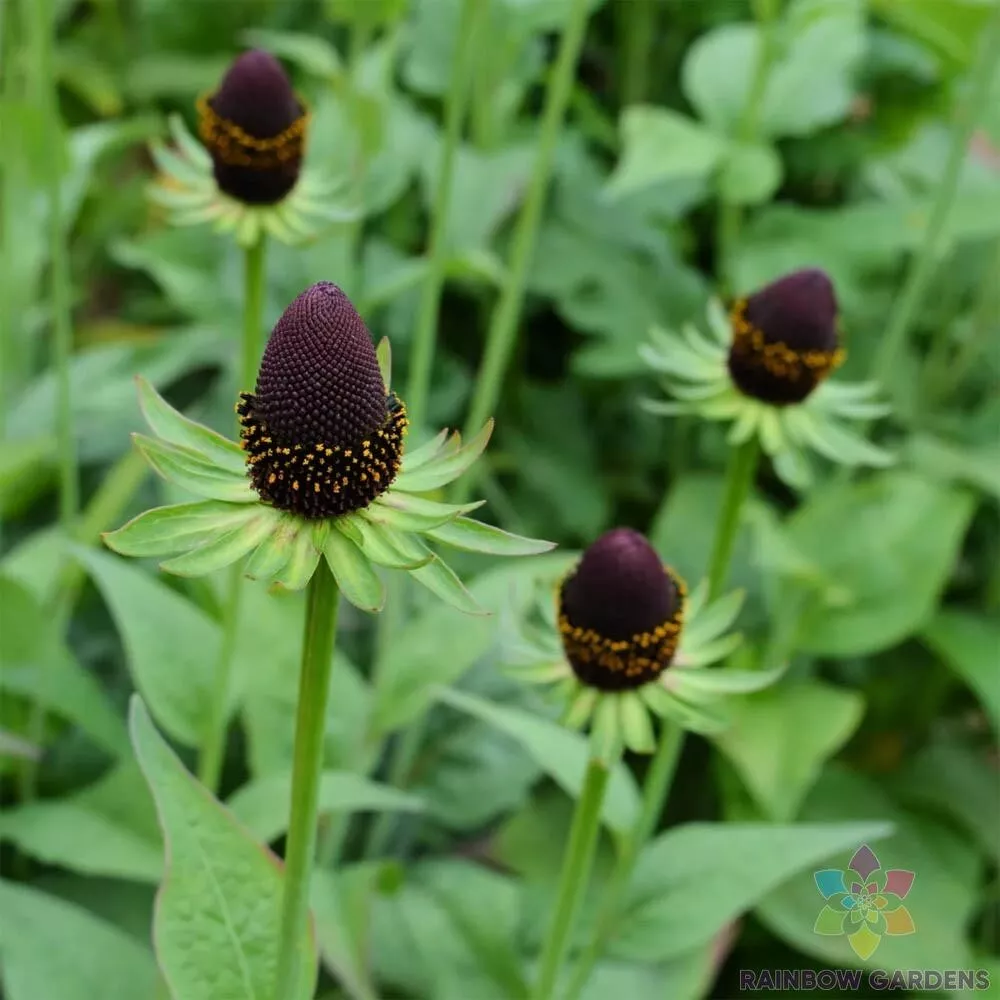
620,613
254,127
322,435
785,338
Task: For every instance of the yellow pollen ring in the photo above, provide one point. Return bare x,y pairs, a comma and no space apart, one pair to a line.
778,358
236,147
626,662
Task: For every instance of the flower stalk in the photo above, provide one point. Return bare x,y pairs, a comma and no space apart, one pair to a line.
506,316
213,745
654,795
456,105
573,879
739,477
922,266
310,723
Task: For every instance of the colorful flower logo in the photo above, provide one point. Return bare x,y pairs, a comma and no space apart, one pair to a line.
864,902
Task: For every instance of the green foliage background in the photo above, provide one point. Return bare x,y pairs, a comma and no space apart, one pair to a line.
677,173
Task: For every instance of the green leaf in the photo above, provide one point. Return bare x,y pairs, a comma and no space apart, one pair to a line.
71,835
447,466
188,470
427,452
173,427
53,949
171,644
216,925
440,579
35,664
890,543
410,513
303,556
943,900
263,805
719,870
660,145
562,754
274,552
697,683
969,645
166,530
357,581
750,174
226,547
474,536
779,739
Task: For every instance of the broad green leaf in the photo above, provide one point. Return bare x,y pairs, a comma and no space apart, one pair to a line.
355,577
53,949
191,472
562,754
456,924
226,547
970,645
750,174
659,145
263,805
889,542
446,467
36,665
474,536
166,530
779,739
440,579
412,513
175,428
719,870
942,900
218,911
171,645
98,831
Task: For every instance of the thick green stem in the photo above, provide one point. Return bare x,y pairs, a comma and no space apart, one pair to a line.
739,478
574,878
654,797
216,724
922,265
507,315
310,725
730,214
637,32
456,104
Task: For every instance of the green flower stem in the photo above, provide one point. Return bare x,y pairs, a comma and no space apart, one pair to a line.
456,104
654,797
506,316
730,214
637,32
944,371
39,24
922,266
214,740
310,725
739,478
574,878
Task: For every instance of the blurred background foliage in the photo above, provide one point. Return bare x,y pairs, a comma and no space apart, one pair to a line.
885,587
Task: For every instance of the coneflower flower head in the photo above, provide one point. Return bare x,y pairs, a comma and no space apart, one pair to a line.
620,613
785,339
322,434
254,128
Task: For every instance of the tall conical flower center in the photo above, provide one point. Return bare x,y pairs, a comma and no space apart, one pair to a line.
322,435
785,338
620,613
254,127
